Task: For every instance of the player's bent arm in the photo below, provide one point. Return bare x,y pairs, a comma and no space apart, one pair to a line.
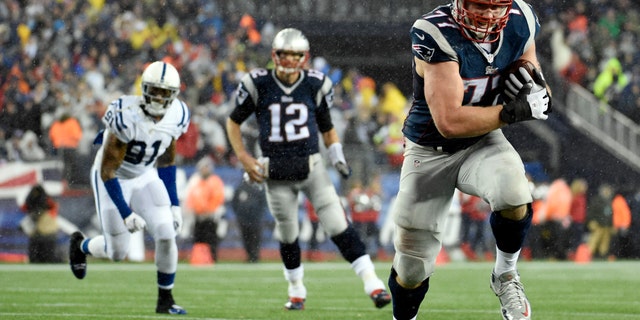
336,155
112,157
530,55
235,139
250,164
167,172
330,137
168,157
444,91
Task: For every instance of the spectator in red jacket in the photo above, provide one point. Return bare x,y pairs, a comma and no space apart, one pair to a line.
365,204
474,215
578,213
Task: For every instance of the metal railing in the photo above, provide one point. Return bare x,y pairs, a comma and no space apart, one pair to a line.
602,123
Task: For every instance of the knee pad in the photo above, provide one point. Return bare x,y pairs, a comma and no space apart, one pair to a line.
117,250
416,253
333,219
287,231
164,231
412,270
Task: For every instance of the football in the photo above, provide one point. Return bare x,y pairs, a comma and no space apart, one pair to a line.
514,68
511,79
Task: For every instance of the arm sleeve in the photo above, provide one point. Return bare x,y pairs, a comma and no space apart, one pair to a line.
115,193
244,103
168,177
323,115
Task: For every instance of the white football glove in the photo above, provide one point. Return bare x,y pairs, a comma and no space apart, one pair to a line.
177,218
538,102
134,222
338,161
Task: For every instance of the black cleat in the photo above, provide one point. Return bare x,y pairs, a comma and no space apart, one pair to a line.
77,258
295,304
380,298
169,307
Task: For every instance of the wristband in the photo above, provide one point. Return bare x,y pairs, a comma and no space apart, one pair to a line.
115,192
168,177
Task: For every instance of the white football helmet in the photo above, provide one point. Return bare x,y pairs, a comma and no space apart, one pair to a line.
160,86
290,41
477,27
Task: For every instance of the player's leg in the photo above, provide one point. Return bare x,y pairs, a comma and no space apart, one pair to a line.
320,191
152,203
113,244
419,212
282,198
495,172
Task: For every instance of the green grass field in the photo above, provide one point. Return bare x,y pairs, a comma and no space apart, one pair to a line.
561,290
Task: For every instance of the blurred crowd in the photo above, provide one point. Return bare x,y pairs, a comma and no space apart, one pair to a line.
62,62
595,44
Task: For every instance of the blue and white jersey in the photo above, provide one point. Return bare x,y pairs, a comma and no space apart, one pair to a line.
290,117
146,139
436,37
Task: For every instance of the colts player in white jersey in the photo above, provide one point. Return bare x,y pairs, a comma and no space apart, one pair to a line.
134,179
292,108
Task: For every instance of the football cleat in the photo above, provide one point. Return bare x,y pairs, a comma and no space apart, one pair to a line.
510,291
380,298
77,258
169,307
295,304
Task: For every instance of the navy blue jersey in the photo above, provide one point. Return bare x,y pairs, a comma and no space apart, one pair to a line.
289,117
436,37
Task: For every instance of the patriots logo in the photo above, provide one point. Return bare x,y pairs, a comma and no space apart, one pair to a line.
242,94
329,98
424,52
416,163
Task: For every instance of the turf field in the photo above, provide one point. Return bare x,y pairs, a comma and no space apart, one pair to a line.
561,290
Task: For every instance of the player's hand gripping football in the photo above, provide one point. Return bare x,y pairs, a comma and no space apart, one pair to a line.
515,81
338,161
134,222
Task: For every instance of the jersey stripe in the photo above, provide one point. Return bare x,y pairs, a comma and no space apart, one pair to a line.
119,120
437,35
185,114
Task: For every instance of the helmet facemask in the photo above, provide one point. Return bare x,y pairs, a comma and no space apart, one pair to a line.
477,27
290,50
157,99
160,86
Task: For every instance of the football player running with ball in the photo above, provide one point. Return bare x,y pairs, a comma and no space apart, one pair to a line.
453,140
291,105
134,179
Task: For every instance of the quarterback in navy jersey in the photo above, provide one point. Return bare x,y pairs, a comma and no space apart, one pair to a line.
134,179
291,105
453,140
